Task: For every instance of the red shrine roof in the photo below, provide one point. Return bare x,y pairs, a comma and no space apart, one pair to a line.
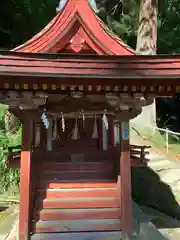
76,29
110,63
91,66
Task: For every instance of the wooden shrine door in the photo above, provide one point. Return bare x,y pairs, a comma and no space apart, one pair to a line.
76,142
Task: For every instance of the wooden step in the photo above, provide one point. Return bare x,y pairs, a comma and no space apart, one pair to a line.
62,175
113,235
83,183
70,214
65,203
76,193
90,166
76,197
77,225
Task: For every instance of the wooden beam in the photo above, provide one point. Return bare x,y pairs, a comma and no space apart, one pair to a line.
125,174
25,177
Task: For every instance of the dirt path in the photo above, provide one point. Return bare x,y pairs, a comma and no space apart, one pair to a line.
8,219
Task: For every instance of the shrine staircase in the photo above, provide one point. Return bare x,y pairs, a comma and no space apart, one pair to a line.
76,201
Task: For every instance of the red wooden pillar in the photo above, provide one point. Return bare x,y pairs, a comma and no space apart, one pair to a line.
125,176
25,176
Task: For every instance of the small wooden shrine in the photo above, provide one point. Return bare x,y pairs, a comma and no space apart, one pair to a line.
75,86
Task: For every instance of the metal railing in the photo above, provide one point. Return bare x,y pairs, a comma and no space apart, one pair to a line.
167,133
153,129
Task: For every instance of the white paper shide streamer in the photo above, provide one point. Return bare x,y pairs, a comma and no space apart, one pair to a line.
45,120
63,122
116,134
95,129
105,120
105,127
55,134
83,117
75,132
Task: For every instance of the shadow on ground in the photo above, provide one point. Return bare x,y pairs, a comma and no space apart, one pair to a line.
150,191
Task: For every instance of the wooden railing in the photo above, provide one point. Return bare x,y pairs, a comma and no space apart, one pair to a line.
13,156
138,156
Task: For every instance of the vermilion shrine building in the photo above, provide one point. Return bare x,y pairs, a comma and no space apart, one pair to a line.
75,86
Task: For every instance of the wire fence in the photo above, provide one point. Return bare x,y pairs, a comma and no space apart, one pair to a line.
159,136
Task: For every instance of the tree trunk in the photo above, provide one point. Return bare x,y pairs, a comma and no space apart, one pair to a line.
147,30
11,122
147,45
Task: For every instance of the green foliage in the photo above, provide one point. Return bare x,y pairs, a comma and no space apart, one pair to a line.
21,19
121,17
9,178
123,20
169,27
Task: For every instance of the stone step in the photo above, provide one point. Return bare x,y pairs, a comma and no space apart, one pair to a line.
116,235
